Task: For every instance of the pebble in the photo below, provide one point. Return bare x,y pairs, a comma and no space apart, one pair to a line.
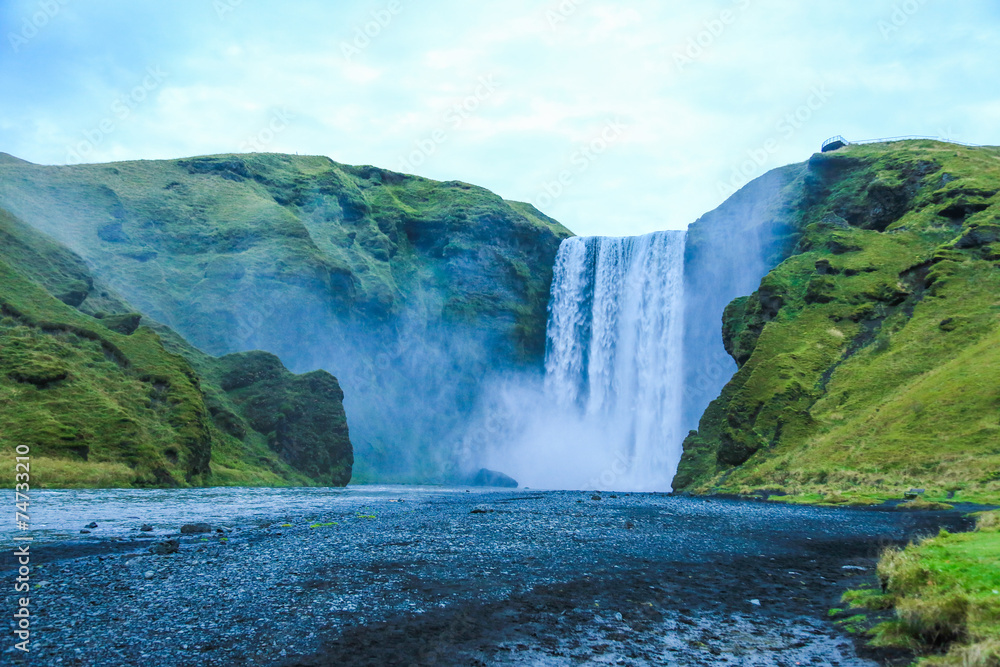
308,592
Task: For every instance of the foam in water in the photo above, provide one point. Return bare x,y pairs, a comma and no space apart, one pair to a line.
609,416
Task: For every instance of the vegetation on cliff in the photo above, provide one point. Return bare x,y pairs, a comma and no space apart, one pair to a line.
102,402
393,283
868,359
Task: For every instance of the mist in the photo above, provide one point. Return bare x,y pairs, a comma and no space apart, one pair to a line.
634,350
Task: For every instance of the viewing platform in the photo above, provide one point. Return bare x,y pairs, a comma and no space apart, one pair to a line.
834,143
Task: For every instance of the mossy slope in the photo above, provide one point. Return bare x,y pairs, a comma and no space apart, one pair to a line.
869,359
409,290
101,402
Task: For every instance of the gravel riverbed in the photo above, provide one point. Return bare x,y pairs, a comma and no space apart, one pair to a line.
407,576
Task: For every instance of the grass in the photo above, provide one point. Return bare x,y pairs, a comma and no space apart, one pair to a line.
227,250
868,357
114,407
945,595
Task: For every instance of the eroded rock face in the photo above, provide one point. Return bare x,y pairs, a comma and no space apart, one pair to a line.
302,416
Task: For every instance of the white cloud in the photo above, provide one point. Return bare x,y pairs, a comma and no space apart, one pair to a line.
559,84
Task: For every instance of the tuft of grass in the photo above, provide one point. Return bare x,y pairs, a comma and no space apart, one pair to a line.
945,592
921,505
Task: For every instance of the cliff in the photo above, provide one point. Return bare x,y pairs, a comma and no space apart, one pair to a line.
868,359
409,291
91,388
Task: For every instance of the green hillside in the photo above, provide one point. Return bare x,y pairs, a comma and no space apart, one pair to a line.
869,360
102,403
390,282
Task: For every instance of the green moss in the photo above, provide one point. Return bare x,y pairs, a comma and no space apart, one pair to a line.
228,250
866,356
945,592
101,401
302,416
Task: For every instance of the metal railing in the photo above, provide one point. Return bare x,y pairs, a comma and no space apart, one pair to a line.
886,140
834,140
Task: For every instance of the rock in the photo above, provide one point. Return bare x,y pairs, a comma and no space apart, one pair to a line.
165,548
482,509
195,528
92,524
219,530
125,324
146,528
596,497
834,220
85,532
755,603
493,478
913,494
148,574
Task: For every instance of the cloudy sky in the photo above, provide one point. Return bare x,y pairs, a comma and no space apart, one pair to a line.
614,117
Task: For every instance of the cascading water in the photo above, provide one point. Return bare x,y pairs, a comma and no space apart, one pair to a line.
614,359
635,351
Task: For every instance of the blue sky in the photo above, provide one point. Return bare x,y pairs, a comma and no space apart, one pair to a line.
614,117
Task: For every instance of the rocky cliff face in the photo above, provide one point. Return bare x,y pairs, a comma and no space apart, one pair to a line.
727,252
410,291
93,390
868,358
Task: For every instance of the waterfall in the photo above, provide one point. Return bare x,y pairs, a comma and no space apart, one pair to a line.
634,351
614,357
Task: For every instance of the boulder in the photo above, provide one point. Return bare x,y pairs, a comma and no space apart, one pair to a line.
124,323
165,548
493,478
195,528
